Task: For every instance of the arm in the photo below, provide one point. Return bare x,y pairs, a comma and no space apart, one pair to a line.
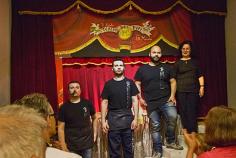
142,101
173,90
104,105
61,135
94,118
135,107
201,83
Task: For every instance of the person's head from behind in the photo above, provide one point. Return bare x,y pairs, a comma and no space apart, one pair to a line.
221,127
40,103
155,54
21,132
186,49
118,67
74,89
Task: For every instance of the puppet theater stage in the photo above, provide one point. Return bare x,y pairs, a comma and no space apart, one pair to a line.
56,41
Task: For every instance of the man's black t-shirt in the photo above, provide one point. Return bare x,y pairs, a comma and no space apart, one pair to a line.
78,127
119,95
155,82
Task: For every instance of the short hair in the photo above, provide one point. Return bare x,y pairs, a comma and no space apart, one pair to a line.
221,126
37,101
117,59
21,132
74,81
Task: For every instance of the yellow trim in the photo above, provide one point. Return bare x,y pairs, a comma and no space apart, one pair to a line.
103,11
172,6
66,52
49,13
114,50
102,63
202,12
128,4
161,37
105,63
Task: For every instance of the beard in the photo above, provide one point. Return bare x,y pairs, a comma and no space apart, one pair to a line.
74,94
154,59
119,74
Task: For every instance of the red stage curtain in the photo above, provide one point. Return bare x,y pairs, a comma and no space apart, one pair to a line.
75,34
209,39
52,7
92,79
32,57
33,64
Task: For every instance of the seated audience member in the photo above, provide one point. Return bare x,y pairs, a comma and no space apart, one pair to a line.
40,103
220,134
21,133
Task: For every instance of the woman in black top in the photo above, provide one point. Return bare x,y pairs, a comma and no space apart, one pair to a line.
190,86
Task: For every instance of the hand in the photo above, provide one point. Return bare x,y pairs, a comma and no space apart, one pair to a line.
190,140
172,99
56,144
105,126
134,124
201,91
64,147
142,102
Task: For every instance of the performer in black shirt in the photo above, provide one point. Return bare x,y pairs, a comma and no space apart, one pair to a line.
75,130
118,96
190,86
156,80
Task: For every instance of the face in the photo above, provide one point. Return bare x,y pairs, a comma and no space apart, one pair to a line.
186,50
155,54
74,89
118,68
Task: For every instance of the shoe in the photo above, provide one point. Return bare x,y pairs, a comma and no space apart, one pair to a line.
156,155
174,146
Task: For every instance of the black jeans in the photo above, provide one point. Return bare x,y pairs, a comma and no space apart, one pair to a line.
120,138
188,108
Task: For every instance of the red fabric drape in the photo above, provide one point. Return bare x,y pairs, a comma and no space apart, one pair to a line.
32,57
108,61
75,34
209,39
92,79
33,61
52,6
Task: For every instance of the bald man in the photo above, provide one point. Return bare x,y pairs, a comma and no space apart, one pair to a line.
156,80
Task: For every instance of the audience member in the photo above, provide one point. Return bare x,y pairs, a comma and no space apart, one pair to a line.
21,133
220,134
40,103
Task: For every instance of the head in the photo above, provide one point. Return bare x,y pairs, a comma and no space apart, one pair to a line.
118,67
220,126
155,54
40,103
21,132
74,89
186,49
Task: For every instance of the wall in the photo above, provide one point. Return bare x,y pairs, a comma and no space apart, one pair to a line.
5,28
230,34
